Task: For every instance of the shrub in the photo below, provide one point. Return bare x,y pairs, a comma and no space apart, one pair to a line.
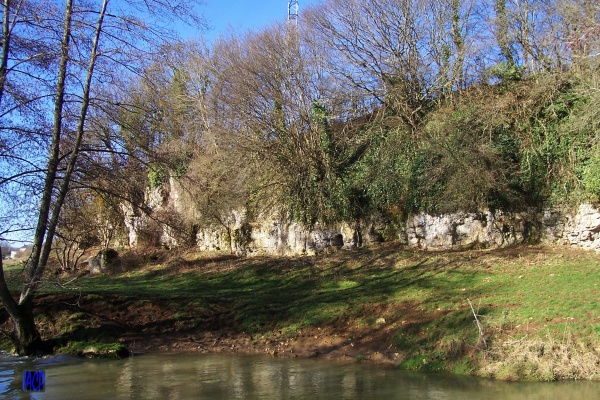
157,175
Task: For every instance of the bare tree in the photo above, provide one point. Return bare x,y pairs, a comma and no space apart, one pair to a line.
273,84
453,29
538,35
381,48
93,45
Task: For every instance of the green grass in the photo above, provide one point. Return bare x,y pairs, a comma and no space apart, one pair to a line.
95,350
533,292
535,287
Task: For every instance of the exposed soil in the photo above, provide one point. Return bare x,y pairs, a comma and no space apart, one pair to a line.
379,305
143,325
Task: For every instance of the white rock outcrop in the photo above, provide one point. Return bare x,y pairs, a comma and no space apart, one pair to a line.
272,235
457,230
276,234
583,229
497,229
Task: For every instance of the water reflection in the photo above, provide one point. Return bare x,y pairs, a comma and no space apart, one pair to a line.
183,376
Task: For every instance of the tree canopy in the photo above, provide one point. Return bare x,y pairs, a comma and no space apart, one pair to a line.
62,70
364,107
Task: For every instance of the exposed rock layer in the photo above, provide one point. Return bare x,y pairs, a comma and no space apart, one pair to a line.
275,234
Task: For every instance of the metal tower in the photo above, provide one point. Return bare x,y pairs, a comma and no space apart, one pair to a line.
293,12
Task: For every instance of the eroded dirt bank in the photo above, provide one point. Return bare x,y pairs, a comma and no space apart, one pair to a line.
144,325
536,307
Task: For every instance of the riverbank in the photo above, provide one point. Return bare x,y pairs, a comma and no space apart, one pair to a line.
528,313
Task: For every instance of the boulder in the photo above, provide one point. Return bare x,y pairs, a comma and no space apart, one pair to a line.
106,261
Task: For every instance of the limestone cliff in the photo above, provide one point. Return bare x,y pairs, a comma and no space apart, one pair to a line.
273,233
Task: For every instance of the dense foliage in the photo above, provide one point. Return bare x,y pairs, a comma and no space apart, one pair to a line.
366,107
386,107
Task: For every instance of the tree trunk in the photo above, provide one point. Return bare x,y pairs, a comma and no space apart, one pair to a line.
42,261
502,32
6,36
26,337
41,229
459,44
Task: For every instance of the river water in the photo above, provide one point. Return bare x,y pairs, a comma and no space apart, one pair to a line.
165,376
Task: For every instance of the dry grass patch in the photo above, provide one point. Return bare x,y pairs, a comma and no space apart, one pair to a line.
545,360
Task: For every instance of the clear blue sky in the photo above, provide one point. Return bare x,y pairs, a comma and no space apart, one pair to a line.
240,15
243,15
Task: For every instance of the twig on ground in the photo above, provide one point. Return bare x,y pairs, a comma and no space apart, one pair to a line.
481,340
514,341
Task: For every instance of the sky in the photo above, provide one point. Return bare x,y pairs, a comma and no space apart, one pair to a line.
243,15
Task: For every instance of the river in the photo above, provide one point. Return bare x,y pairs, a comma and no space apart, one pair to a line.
165,376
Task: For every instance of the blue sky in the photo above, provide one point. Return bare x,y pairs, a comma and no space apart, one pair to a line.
238,14
243,15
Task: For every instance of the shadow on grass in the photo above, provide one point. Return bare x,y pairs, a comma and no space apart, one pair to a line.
267,293
422,295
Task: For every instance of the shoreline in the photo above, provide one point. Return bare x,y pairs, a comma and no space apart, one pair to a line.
380,305
309,345
340,340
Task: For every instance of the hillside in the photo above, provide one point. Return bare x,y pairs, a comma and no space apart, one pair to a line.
537,306
445,125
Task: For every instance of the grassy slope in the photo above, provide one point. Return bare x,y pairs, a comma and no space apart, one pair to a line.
538,306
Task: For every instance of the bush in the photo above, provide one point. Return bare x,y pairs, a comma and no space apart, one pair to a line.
157,176
506,72
591,172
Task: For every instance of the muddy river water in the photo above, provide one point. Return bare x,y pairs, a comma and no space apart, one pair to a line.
164,376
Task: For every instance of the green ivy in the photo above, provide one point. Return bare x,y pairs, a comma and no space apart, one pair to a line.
591,172
157,175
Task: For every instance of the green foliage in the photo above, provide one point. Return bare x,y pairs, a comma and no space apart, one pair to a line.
512,146
319,118
590,171
112,351
157,175
555,153
319,188
506,72
179,164
176,166
520,144
385,168
424,190
422,362
317,195
521,150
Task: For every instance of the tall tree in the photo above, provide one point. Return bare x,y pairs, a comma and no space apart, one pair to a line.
95,44
383,49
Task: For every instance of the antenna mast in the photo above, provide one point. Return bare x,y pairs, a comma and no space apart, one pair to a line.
293,13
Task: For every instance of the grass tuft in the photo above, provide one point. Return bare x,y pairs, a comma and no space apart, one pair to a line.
95,350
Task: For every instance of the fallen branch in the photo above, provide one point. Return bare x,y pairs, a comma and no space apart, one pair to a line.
514,342
481,340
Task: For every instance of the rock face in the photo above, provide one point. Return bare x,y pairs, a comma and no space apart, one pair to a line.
485,229
497,229
272,235
141,228
581,229
459,230
158,225
276,234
